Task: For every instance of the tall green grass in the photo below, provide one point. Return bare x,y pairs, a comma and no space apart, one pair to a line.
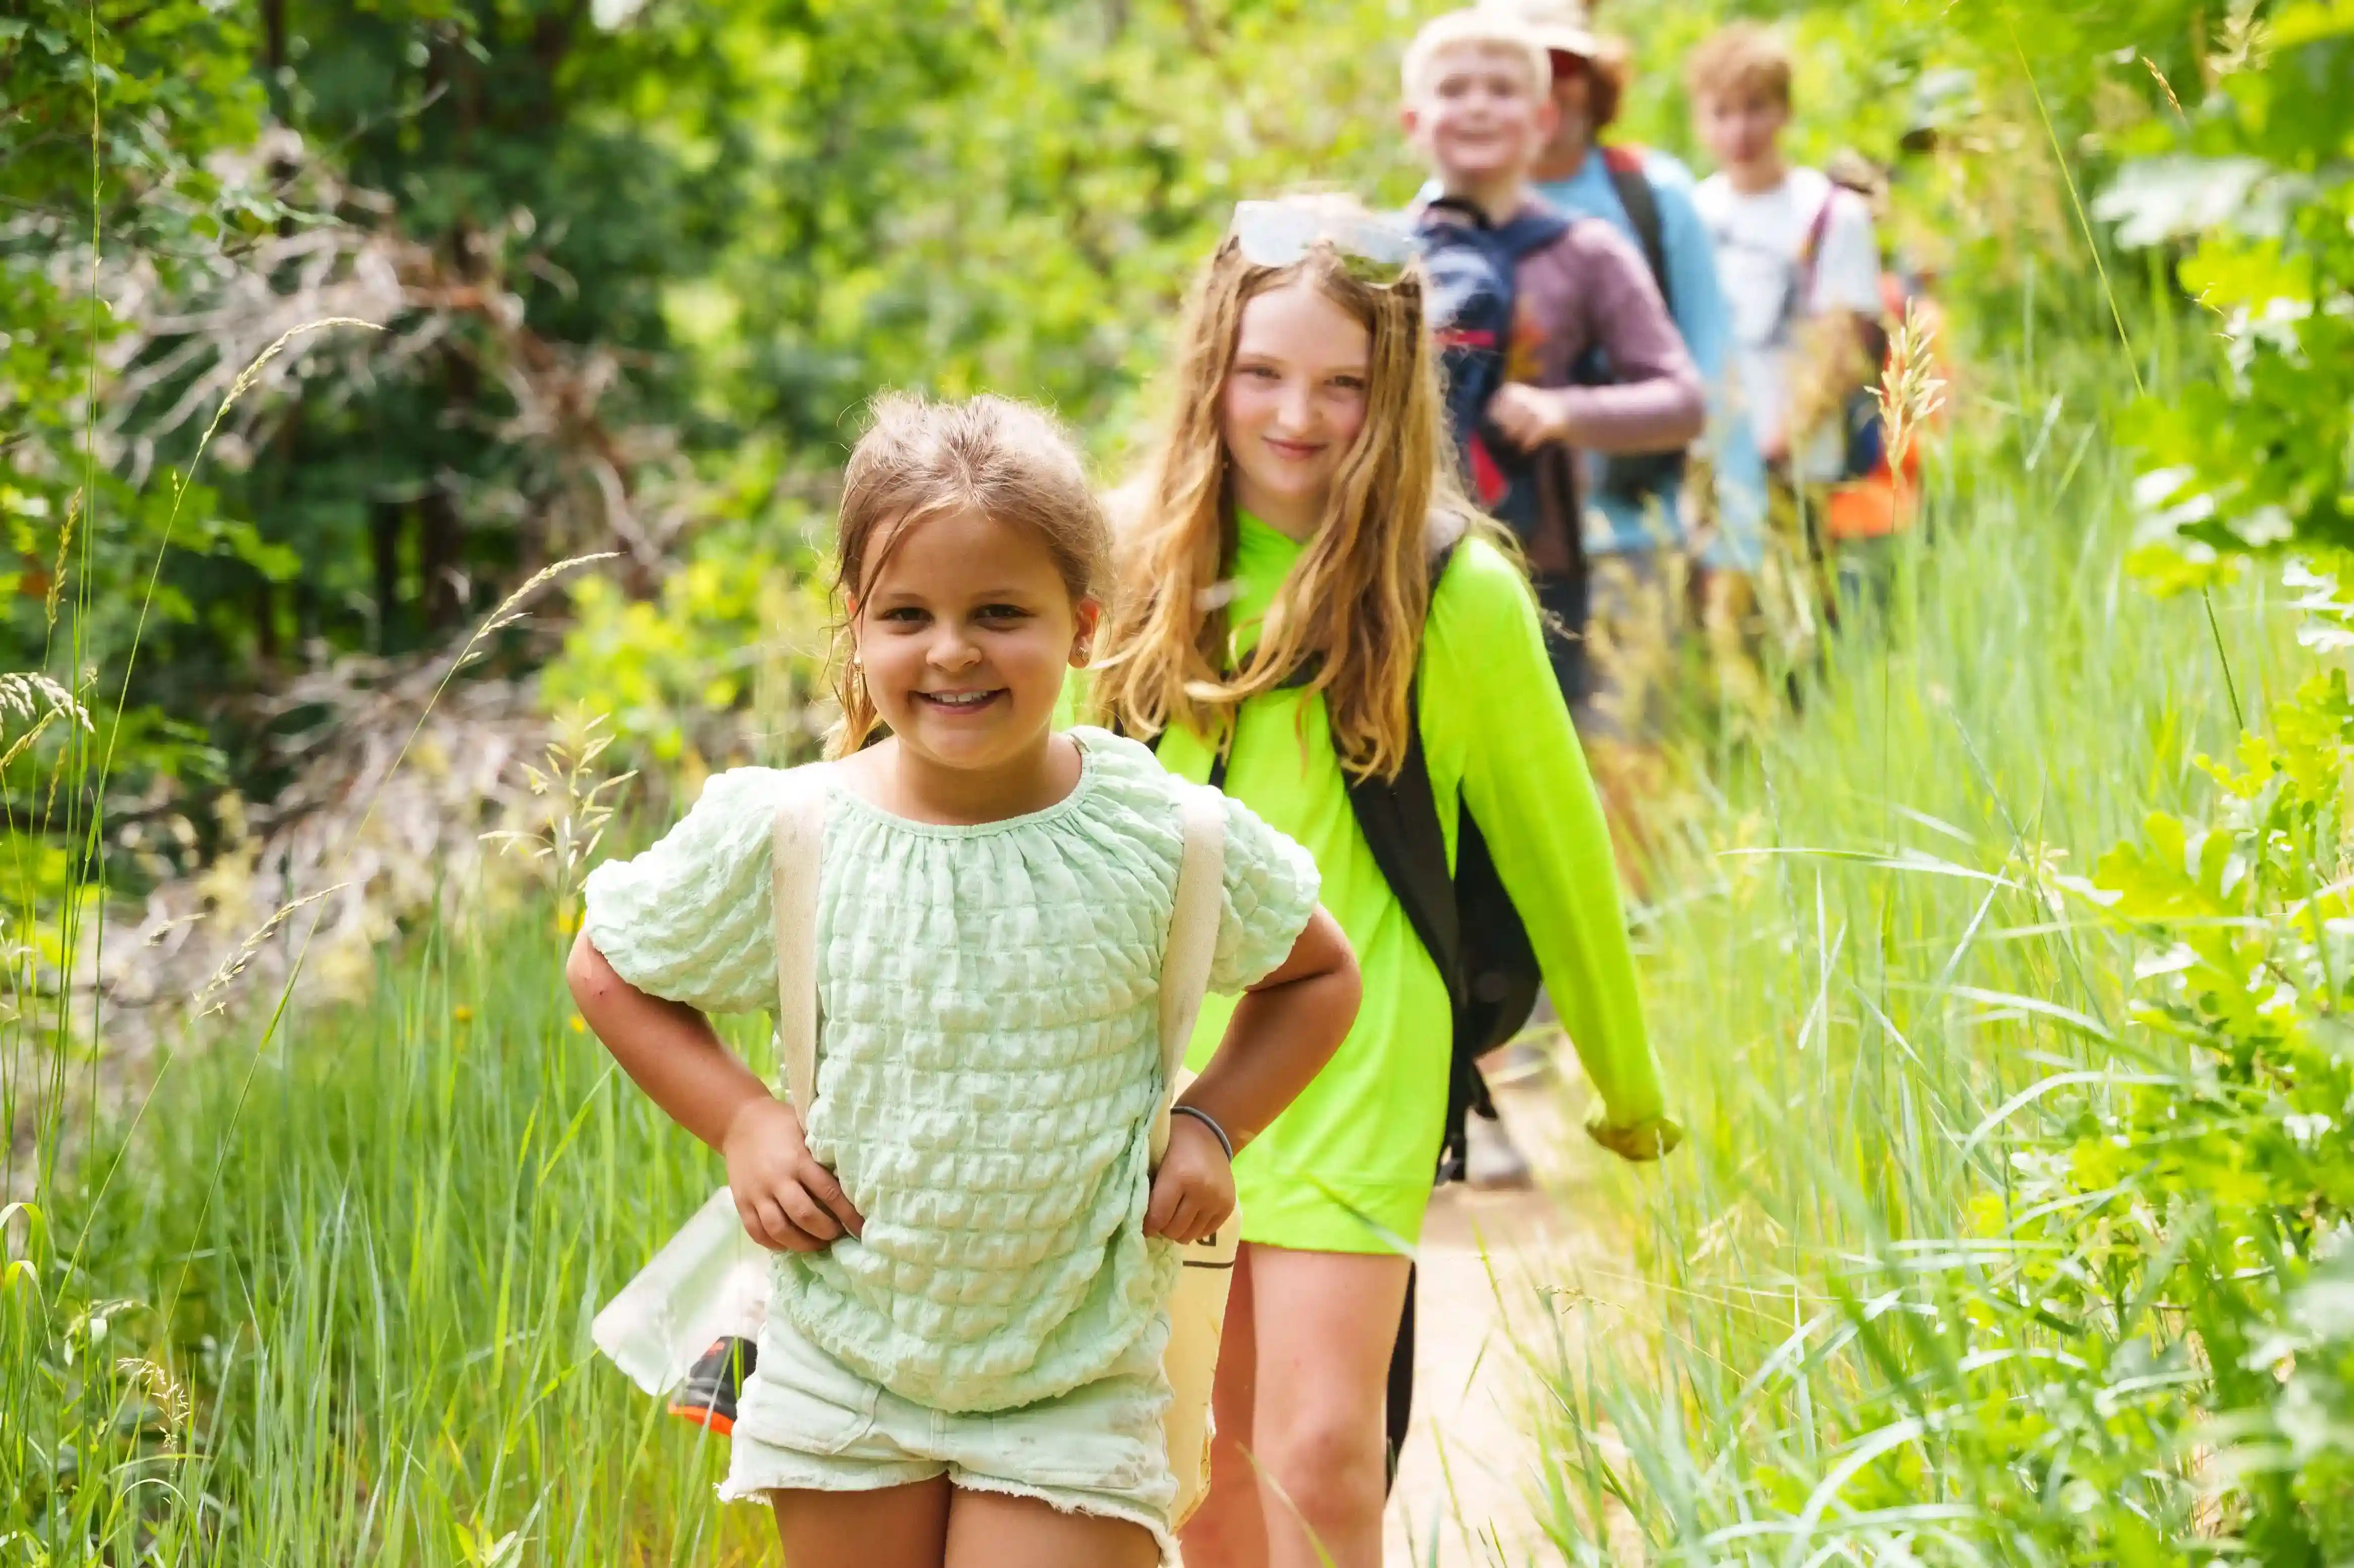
1865,962
361,1254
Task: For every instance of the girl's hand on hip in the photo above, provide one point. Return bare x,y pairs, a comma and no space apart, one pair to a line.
788,1201
1193,1191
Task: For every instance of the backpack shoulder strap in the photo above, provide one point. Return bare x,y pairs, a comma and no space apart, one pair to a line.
1798,293
1399,816
797,844
1532,231
1624,166
1810,249
1193,940
1451,211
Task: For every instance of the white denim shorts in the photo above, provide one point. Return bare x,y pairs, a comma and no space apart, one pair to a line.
807,1422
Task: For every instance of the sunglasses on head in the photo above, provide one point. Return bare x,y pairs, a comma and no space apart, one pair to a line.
1281,233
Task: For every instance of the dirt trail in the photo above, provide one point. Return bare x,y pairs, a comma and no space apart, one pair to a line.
1471,1466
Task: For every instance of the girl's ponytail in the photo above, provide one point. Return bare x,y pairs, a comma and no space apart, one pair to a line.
859,719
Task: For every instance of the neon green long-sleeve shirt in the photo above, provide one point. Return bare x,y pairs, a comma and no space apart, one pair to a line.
1348,1167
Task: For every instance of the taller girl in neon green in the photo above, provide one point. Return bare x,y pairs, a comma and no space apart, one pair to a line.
1282,530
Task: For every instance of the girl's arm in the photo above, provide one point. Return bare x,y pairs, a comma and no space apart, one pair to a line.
789,1201
1525,781
1283,1031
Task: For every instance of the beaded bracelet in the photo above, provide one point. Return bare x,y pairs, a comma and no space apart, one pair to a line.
1206,1119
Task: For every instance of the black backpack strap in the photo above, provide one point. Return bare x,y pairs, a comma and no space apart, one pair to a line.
1399,818
1625,167
1462,209
1399,1415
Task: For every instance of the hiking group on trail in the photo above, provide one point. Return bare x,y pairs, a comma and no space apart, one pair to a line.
1180,857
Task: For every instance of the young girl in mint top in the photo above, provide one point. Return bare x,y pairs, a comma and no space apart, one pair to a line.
962,1359
1275,605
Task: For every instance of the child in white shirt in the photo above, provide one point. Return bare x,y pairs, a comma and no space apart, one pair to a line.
1795,253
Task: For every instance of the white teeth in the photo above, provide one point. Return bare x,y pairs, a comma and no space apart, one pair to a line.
959,699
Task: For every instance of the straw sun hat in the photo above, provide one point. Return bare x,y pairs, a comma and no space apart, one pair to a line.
1561,25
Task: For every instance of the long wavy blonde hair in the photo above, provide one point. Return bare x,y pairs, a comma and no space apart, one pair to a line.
1350,616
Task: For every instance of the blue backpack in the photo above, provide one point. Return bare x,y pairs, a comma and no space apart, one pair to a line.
1470,263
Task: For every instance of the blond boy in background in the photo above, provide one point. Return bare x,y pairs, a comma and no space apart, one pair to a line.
1479,108
1795,253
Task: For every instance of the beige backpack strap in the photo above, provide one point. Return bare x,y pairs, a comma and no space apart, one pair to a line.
796,843
1193,940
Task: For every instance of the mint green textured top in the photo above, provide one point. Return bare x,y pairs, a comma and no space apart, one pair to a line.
988,1060
1348,1167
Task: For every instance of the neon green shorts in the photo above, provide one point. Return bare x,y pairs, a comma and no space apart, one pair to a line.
807,1422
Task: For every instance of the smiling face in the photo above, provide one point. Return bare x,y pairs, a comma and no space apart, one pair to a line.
1293,402
964,634
1477,116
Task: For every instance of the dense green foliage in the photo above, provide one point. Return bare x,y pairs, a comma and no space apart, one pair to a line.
637,266
2257,459
2068,1281
633,277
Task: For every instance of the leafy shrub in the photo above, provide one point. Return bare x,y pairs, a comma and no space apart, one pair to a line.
722,665
2103,1310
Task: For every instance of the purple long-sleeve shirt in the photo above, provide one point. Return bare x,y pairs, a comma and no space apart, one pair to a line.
1591,289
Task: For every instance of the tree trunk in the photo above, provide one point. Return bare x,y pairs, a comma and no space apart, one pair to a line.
384,528
265,620
280,92
439,537
273,54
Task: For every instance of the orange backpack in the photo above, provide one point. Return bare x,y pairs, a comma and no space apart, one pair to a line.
1885,499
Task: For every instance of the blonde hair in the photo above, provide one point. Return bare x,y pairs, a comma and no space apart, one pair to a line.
1474,27
1349,617
1738,57
920,460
